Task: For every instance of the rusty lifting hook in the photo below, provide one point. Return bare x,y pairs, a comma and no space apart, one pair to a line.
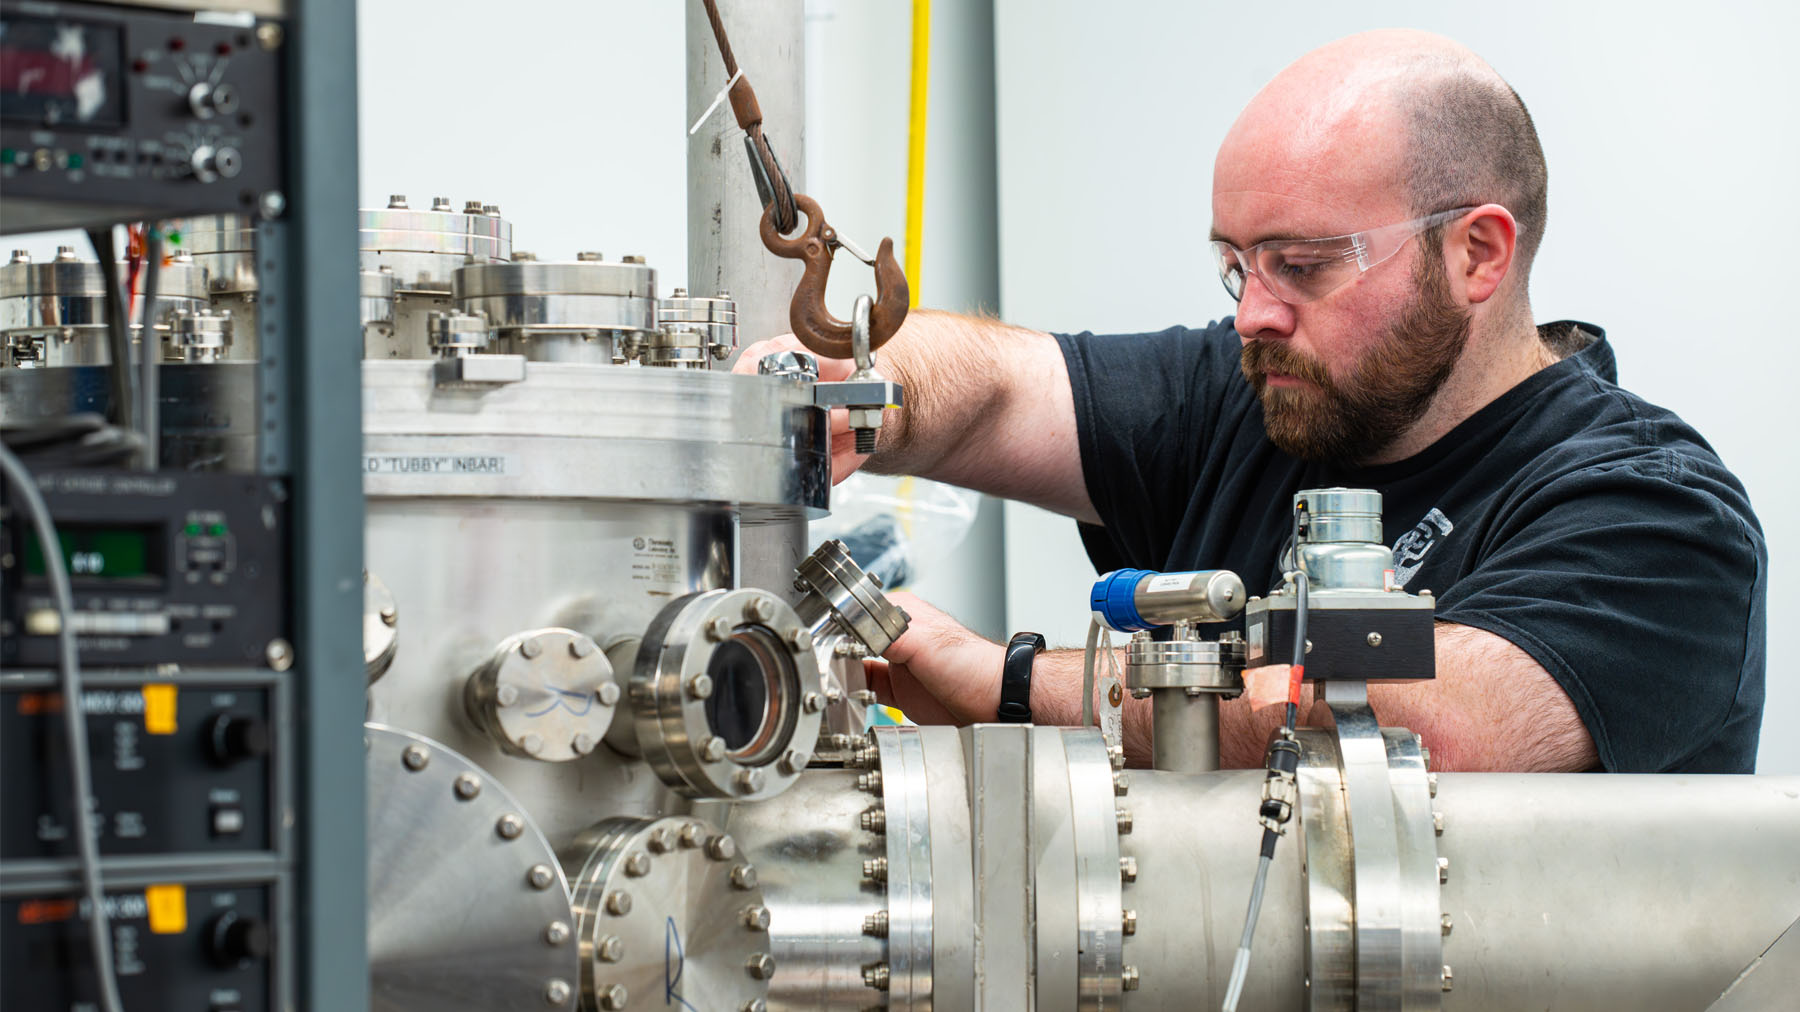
813,324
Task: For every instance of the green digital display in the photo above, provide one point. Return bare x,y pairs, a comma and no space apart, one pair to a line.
96,553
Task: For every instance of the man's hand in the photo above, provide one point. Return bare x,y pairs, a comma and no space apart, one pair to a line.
938,671
844,458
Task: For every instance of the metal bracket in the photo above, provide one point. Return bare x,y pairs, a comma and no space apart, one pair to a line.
478,370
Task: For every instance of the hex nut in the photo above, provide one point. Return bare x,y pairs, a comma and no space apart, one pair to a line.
876,924
876,975
618,903
874,819
875,869
754,1005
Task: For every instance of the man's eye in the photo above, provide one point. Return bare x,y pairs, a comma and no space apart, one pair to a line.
1302,270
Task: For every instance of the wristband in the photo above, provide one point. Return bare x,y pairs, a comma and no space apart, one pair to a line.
1015,678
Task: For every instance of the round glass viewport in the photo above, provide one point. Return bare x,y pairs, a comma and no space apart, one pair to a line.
751,678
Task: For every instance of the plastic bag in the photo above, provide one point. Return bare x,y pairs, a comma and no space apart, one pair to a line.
897,528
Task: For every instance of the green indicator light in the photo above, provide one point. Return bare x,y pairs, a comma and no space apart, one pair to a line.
217,530
76,161
6,156
191,530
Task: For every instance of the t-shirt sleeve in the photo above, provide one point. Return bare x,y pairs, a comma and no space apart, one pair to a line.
1141,406
1639,586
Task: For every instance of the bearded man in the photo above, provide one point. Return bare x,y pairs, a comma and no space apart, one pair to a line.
1599,573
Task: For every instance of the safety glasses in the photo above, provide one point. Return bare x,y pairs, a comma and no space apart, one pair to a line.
1301,270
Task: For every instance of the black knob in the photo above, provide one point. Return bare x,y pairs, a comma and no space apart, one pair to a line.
235,940
233,737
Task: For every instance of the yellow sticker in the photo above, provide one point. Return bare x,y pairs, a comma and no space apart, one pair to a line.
168,907
159,709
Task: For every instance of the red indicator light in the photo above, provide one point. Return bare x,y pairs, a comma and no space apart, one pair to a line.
223,49
177,44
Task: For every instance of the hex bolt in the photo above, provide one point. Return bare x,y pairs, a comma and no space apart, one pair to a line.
1431,782
720,847
1128,978
754,1005
466,786
1449,979
1124,817
1446,924
1424,756
637,864
866,697
509,826
583,743
699,687
793,761
1128,924
397,201
661,840
865,756
389,617
581,646
759,609
1437,823
743,877
613,998
415,757
756,918
874,819
718,630
540,876
531,647
761,965
799,640
1443,870
532,744
875,975
471,207
1374,639
870,781
876,924
440,203
506,695
813,702
279,654
749,780
689,836
611,949
1128,868
607,693
712,749
556,992
875,869
1121,784
556,932
618,903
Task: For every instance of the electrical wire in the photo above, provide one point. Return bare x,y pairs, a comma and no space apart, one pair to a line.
915,145
87,850
150,350
118,328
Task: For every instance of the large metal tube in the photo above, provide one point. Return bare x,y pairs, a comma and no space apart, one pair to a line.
1186,731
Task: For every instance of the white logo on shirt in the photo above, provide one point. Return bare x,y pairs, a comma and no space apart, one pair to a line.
1411,549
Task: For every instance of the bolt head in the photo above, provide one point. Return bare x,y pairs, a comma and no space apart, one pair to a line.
800,641
1128,924
813,702
718,630
720,847
540,876
743,877
415,757
1449,979
531,647
712,749
1374,639
754,1005
532,744
466,786
556,992
509,826
794,760
756,918
1128,978
1446,924
748,781
506,695
759,609
581,646
556,932
637,864
614,997
1443,866
279,654
761,966
607,693
699,687
1431,782
389,616
1121,784
689,837
1124,819
1128,870
618,903
661,840
611,949
583,743
1437,823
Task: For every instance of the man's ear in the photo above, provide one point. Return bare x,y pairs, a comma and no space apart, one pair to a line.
1480,251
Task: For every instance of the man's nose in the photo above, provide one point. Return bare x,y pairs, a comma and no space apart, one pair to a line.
1260,314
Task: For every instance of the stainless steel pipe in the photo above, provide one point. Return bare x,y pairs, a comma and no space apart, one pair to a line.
1186,731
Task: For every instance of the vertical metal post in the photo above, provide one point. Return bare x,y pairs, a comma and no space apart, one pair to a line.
724,211
323,371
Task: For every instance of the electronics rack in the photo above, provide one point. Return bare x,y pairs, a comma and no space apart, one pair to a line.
222,696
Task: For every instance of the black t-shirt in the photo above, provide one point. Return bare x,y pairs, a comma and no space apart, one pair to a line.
1598,532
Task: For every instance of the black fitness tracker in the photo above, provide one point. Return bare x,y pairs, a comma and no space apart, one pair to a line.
1015,678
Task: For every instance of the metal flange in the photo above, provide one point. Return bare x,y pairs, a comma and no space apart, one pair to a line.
726,695
545,694
668,915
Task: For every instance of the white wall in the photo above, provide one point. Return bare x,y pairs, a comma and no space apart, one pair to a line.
1672,143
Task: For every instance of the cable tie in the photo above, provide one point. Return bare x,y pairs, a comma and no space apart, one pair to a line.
718,100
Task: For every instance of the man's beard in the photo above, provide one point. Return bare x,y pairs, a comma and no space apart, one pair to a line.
1350,421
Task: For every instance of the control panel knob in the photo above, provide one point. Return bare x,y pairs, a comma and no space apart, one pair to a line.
207,100
235,940
232,738
209,163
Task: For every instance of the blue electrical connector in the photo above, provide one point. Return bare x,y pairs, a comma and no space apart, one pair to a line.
1114,600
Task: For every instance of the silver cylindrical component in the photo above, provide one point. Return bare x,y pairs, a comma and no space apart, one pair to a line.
198,335
575,311
455,333
545,694
1186,728
1212,595
424,249
224,248
1340,540
714,319
376,302
53,312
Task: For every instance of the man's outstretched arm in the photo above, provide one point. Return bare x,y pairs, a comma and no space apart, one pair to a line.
1491,706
